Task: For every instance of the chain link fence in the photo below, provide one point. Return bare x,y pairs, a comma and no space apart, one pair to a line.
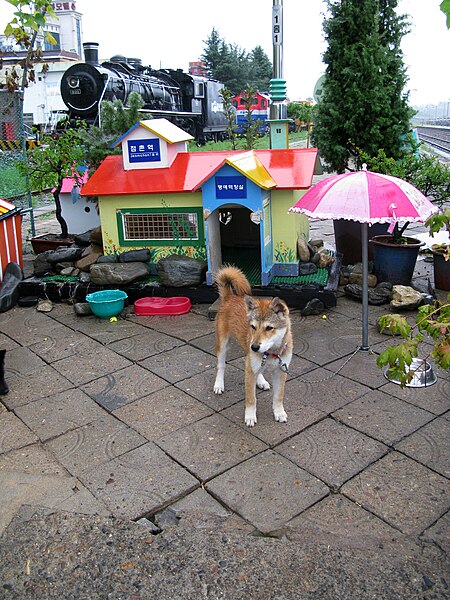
13,145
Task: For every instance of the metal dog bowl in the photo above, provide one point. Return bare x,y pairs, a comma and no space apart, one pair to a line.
423,374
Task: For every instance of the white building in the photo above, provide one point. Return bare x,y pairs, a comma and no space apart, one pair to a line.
42,99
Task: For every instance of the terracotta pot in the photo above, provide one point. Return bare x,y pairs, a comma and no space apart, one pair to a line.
395,262
441,272
42,243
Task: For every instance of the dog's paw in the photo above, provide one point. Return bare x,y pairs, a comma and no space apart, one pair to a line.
250,417
261,383
280,415
218,389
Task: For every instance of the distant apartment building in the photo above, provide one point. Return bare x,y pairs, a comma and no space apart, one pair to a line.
198,68
43,104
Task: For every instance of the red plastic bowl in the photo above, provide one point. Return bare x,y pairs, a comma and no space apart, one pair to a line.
178,305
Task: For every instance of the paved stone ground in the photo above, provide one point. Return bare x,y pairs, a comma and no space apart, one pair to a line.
109,423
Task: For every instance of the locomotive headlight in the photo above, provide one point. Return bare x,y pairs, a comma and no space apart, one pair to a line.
73,82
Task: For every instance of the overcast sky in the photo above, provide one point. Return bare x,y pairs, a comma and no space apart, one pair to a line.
171,33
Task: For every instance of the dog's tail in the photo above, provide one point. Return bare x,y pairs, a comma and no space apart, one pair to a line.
231,281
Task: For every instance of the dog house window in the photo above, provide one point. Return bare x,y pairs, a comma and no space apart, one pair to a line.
161,227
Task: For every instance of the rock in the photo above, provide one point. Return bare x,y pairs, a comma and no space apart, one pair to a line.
82,308
85,277
313,307
92,249
83,239
41,266
84,264
96,236
107,274
142,255
381,294
67,271
325,260
357,278
70,254
316,243
405,297
307,268
315,258
9,287
108,258
303,250
181,271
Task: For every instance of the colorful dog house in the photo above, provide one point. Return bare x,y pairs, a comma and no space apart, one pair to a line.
227,206
10,235
79,213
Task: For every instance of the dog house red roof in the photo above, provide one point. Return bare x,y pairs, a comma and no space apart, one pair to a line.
289,169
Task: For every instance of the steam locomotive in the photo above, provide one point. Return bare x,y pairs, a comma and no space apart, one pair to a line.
193,103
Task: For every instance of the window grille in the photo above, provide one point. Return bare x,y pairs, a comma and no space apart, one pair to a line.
160,226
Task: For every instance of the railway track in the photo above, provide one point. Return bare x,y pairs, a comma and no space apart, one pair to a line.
436,137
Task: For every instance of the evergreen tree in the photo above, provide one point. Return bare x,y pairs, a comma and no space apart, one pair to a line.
260,70
234,67
363,106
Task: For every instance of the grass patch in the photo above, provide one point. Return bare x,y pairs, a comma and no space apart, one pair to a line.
262,143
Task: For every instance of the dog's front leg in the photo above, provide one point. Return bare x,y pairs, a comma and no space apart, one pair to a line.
279,381
221,353
250,394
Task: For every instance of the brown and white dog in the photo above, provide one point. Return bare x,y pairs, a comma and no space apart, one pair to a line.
263,329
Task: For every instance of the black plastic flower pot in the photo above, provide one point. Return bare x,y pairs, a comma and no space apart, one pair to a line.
347,236
395,262
441,272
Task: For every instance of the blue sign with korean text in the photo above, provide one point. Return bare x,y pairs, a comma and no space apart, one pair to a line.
231,187
144,151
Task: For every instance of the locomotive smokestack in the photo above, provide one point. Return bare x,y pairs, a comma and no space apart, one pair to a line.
91,53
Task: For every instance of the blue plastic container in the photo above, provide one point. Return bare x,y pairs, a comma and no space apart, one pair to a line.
395,262
107,303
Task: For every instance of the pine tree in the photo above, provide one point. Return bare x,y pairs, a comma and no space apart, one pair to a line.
363,106
260,69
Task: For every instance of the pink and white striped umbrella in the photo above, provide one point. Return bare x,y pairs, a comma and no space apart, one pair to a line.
365,197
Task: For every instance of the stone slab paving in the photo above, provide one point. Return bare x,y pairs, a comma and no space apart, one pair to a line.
402,492
324,390
430,446
162,412
90,366
123,386
98,442
342,523
210,446
121,418
49,417
14,433
300,415
267,490
140,482
138,347
201,386
179,363
184,327
332,452
44,382
383,417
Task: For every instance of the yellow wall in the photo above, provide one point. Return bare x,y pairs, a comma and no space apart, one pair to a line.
109,205
287,227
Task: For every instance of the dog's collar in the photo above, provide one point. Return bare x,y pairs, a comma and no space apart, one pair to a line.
283,366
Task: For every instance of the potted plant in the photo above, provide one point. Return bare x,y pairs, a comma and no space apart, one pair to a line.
395,254
441,252
433,320
46,167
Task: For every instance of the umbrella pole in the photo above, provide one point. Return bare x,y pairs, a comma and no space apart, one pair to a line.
365,285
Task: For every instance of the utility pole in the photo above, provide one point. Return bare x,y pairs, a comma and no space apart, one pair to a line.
278,122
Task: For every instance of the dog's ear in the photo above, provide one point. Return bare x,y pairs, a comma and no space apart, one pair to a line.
250,303
279,306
